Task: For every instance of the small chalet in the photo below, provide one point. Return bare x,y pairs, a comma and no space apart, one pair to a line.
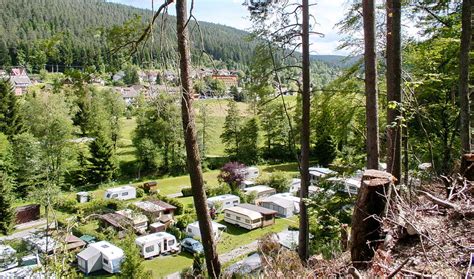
123,220
157,211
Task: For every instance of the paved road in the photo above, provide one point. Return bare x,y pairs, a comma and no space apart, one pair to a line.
26,229
241,251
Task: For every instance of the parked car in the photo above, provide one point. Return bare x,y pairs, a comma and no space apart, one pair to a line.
192,246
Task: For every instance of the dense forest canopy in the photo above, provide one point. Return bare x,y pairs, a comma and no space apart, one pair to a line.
71,34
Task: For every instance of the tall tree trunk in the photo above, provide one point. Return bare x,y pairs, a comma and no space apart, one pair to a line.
394,94
192,147
304,160
464,76
368,11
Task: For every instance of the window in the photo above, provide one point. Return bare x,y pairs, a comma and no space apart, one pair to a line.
114,195
105,261
256,221
227,215
237,218
108,195
149,249
190,230
125,194
236,202
247,221
227,203
171,242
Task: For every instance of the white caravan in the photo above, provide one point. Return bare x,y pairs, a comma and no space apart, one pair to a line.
157,243
223,201
121,193
243,217
193,229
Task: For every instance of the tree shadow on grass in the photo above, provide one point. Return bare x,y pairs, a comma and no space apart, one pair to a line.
233,229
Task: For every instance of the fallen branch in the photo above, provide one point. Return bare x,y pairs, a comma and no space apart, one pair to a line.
440,202
398,268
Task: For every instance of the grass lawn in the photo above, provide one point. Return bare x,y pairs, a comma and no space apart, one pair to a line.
164,265
233,238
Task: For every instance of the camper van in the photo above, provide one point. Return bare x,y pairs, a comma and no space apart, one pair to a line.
156,243
193,229
100,255
121,193
243,217
224,201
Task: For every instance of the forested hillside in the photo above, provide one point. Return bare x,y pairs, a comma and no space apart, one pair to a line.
69,34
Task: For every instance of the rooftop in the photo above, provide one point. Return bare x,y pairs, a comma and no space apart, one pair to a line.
222,198
259,209
244,211
107,249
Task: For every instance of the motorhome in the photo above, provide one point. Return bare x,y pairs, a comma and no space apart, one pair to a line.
193,229
260,191
243,217
157,243
223,201
100,255
121,193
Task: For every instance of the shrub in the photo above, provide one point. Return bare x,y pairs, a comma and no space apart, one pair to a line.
99,206
67,205
187,192
140,192
176,232
277,180
218,190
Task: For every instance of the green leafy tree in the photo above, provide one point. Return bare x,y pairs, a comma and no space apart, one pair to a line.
10,121
131,75
231,136
6,204
249,142
276,131
27,163
132,267
102,160
217,87
277,180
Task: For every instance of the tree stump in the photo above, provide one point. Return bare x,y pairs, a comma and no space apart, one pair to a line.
371,204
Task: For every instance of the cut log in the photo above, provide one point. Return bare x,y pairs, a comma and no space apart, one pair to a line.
370,206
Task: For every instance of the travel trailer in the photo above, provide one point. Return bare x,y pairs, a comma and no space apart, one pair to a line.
243,217
121,193
317,173
193,229
157,243
268,215
250,173
100,255
224,201
261,191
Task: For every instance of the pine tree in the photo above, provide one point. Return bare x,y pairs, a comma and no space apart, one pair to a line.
6,201
10,123
232,126
249,142
102,161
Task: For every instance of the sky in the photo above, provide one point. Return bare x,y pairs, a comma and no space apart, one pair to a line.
233,13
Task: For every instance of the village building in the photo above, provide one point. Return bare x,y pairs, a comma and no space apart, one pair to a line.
229,80
20,81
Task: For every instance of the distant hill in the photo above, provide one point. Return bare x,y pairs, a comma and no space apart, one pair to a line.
336,60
